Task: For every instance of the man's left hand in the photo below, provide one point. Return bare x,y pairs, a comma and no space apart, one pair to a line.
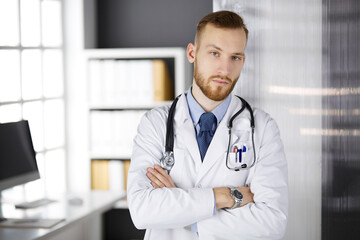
159,178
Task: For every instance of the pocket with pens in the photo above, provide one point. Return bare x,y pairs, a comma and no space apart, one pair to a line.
239,155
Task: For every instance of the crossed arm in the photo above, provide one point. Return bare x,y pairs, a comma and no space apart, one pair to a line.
163,205
159,179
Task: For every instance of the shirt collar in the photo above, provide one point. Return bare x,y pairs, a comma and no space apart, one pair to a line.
196,110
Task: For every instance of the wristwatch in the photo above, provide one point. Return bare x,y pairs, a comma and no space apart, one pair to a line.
237,196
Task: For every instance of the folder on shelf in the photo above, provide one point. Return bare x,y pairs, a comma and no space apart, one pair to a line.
141,90
109,174
95,84
121,82
112,133
126,170
116,176
99,175
162,82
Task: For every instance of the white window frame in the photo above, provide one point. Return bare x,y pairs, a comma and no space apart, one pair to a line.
43,99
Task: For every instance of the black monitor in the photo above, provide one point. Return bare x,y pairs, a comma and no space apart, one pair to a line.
17,155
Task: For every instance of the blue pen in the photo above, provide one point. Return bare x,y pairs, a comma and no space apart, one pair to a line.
240,155
241,150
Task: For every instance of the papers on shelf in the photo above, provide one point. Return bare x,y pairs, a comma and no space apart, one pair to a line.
122,82
109,175
112,132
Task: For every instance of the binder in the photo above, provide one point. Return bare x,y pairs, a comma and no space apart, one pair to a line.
126,170
162,83
99,175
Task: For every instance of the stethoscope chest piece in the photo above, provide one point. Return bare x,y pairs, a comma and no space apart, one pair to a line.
167,161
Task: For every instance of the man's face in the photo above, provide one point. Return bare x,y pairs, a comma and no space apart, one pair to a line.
218,60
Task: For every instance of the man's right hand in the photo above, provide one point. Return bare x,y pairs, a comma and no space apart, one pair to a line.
224,200
159,178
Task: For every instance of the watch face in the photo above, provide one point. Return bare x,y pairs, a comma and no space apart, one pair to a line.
238,194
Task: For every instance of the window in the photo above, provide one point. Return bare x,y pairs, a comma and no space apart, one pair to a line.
32,83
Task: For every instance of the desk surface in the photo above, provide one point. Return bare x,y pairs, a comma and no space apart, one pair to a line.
94,202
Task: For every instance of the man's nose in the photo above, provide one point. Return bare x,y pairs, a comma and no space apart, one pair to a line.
224,67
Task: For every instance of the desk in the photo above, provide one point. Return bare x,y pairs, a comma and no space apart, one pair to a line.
82,222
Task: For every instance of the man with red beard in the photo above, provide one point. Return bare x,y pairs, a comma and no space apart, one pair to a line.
200,196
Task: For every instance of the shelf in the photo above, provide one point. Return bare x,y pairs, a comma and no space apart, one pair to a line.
131,53
110,157
123,84
144,107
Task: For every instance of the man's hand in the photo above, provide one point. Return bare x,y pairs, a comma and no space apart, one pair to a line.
159,178
248,196
224,200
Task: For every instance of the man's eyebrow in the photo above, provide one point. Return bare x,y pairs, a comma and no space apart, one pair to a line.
218,48
213,46
239,54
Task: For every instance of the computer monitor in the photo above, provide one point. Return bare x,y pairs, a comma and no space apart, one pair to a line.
17,155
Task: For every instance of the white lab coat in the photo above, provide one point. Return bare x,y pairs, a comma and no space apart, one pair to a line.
167,213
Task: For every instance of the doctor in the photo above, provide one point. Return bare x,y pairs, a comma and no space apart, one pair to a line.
201,198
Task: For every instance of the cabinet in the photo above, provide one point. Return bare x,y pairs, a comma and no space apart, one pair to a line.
122,85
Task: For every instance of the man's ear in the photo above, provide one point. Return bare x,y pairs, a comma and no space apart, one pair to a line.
190,52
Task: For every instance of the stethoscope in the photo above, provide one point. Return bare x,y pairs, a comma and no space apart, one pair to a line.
167,161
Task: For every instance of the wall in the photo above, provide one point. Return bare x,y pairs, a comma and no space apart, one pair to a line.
341,125
283,76
78,166
143,23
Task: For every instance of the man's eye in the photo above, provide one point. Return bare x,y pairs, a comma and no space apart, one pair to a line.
214,54
236,58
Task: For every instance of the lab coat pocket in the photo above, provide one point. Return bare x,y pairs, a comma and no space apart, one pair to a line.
241,151
240,155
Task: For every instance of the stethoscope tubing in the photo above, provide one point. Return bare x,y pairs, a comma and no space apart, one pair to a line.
246,105
168,161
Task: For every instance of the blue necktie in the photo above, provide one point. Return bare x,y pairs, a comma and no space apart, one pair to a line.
206,133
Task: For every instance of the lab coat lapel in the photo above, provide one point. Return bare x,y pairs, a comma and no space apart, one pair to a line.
219,144
184,130
216,150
